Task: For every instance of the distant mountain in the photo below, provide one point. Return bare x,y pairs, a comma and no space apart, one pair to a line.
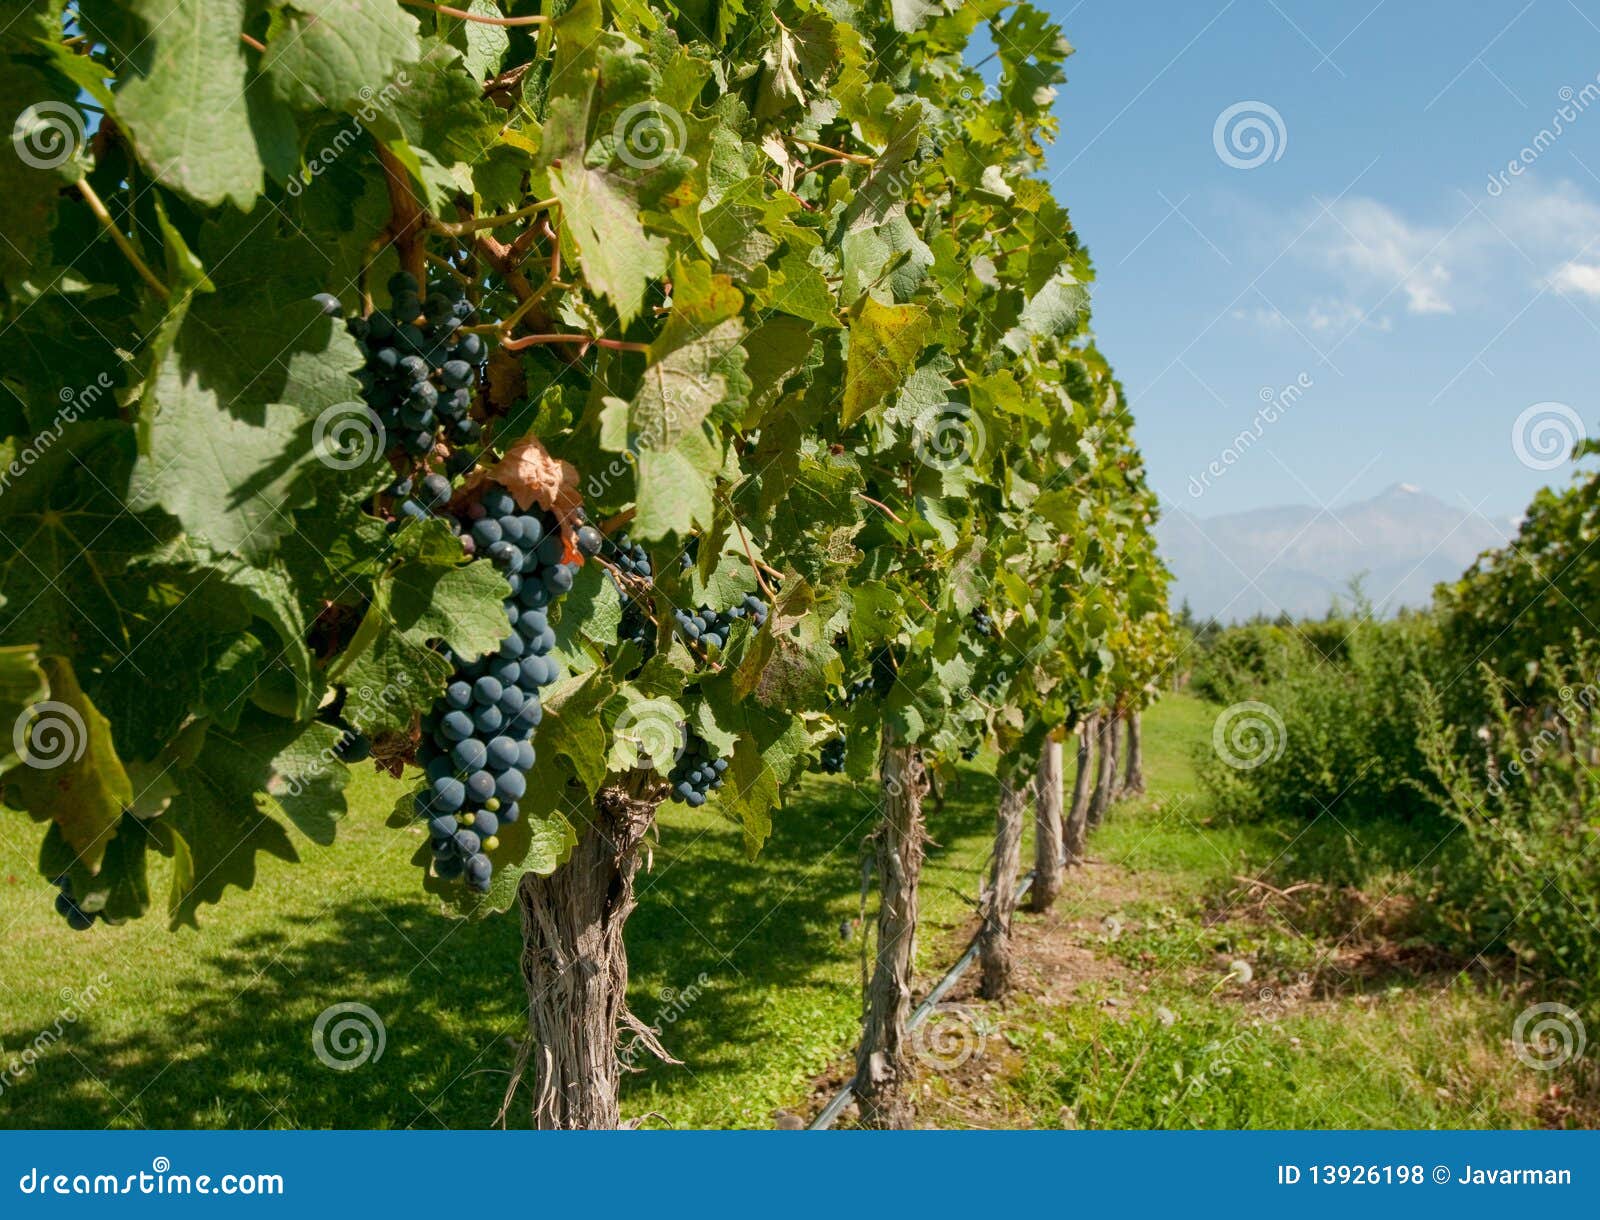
1298,559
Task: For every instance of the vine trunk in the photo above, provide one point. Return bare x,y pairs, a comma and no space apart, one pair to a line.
1075,833
575,965
1133,782
1000,898
883,1060
1048,856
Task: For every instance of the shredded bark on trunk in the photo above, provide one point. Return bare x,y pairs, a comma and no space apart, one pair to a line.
883,1060
1048,858
1075,833
1106,735
575,965
1133,782
1000,897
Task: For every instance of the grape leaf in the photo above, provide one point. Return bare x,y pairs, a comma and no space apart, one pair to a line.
618,257
572,727
231,435
48,127
22,684
390,671
70,773
202,121
884,343
336,53
1054,310
216,818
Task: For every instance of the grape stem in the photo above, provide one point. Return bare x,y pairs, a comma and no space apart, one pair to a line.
810,207
616,345
811,169
405,215
439,261
457,228
856,158
879,504
364,277
760,579
444,10
548,232
123,244
252,42
502,260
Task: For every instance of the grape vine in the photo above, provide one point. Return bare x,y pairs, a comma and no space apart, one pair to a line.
732,410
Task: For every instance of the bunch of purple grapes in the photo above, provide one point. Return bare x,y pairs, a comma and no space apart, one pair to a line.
420,370
476,748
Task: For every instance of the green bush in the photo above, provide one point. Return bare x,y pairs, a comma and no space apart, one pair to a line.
1240,659
1524,786
1325,730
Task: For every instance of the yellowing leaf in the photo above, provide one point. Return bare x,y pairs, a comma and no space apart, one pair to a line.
885,341
70,773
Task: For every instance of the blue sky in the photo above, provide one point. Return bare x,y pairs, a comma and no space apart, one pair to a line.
1422,309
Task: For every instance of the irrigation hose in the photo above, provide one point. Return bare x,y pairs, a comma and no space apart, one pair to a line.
836,1104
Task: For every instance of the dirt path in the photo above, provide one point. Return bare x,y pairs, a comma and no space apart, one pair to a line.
1182,981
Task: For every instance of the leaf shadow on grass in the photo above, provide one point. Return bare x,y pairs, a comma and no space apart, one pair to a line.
727,955
237,1050
221,1033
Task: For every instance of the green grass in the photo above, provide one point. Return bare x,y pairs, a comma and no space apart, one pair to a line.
743,966
1335,1026
1184,1060
214,1028
780,996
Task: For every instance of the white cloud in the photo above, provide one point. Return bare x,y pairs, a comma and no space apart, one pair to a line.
1341,315
1367,244
1582,278
1321,316
1459,260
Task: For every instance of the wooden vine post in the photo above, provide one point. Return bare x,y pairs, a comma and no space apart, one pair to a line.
1075,831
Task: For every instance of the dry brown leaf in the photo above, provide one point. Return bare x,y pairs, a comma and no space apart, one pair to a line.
533,476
